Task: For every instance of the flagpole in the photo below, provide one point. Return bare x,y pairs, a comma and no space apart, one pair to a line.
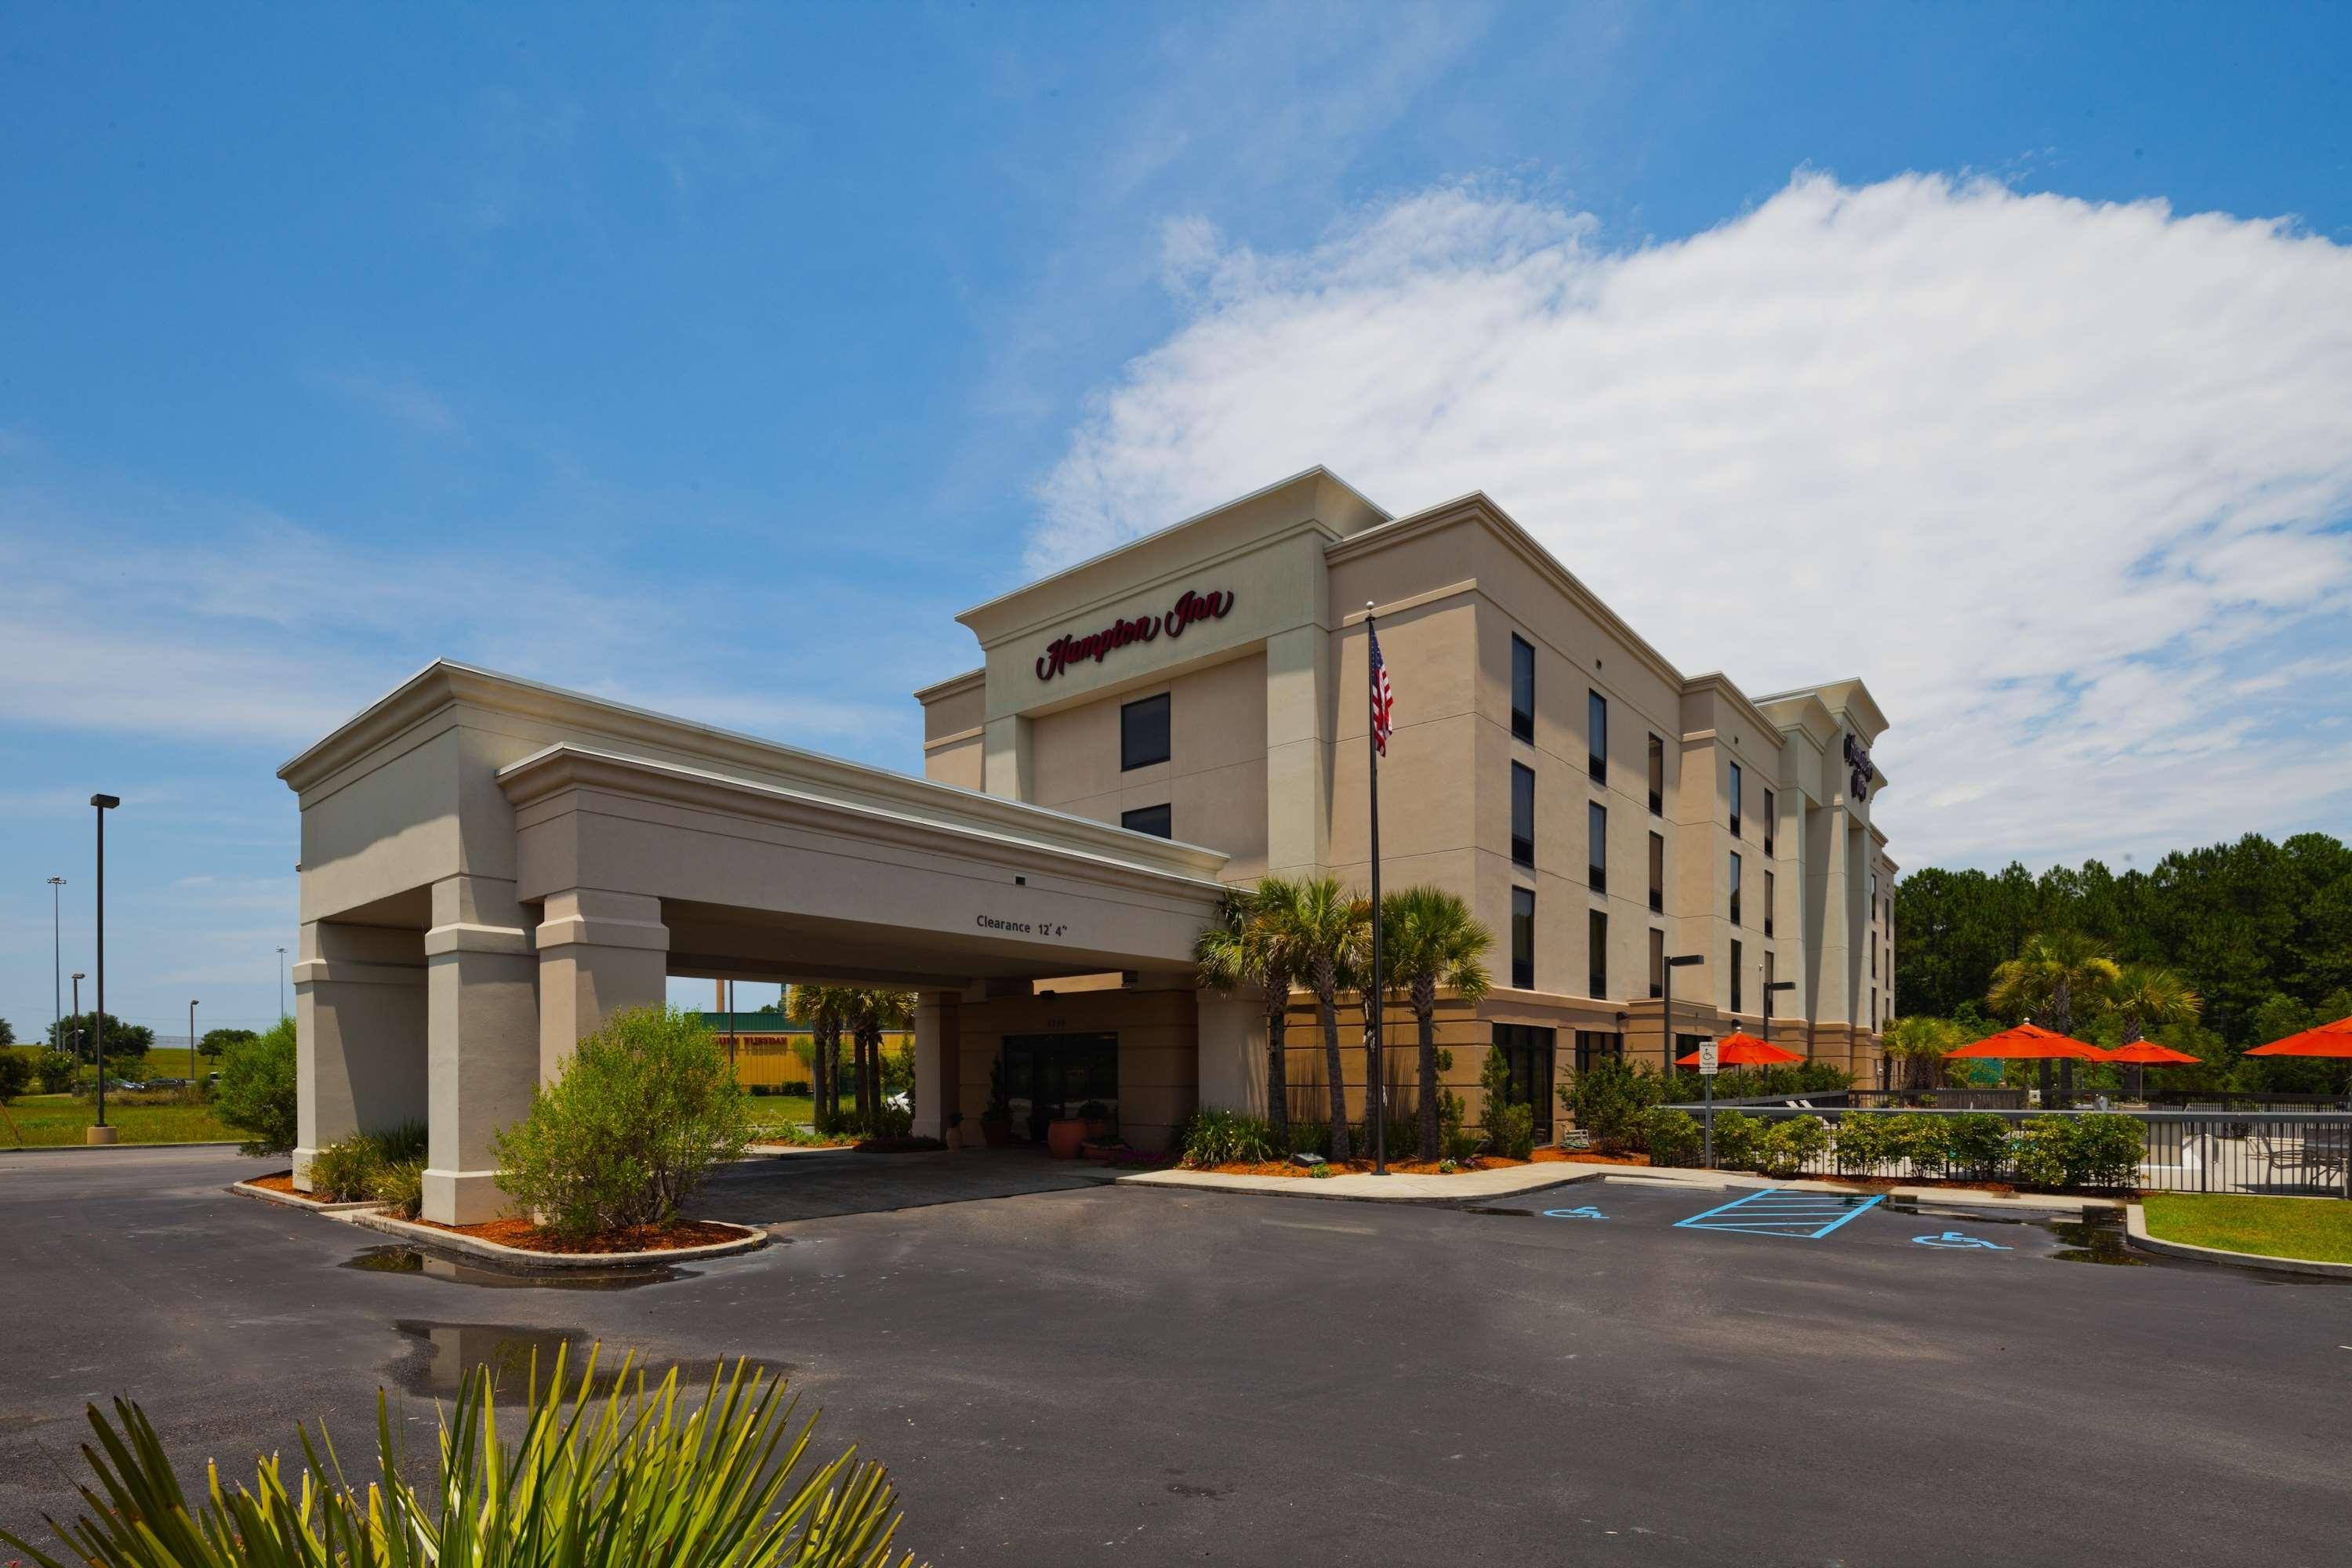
1374,1096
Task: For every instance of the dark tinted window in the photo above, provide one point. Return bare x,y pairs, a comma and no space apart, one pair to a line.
1596,960
1735,889
1734,977
1769,902
1657,777
1596,734
1771,815
1735,800
1658,872
1657,961
1597,1044
1523,814
1143,732
1523,939
1596,833
1523,689
1151,819
1528,1052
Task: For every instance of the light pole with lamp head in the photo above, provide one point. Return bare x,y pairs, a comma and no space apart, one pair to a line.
74,1051
1666,1013
1770,987
102,1132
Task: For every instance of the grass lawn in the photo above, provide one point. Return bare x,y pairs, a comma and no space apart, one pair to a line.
45,1119
777,1109
2315,1228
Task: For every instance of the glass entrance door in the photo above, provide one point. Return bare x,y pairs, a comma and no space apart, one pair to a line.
1529,1050
1050,1077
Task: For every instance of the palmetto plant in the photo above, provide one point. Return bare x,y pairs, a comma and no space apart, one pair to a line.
1321,927
2052,974
1247,947
1430,941
616,1480
825,1009
2147,995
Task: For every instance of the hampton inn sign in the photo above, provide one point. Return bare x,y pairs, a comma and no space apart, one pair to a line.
1066,651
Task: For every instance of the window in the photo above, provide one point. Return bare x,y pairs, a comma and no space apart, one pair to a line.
1735,888
1657,873
1657,961
1771,974
1735,977
1523,814
1874,961
1596,852
1523,690
1596,956
1874,1009
1657,777
1771,809
1874,897
1152,819
1770,884
1523,939
1528,1051
1143,732
1597,1046
1735,800
1596,735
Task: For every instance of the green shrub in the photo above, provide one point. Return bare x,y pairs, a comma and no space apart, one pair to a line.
1513,1131
598,1473
1738,1140
891,1121
56,1071
256,1090
353,1168
1975,1144
1923,1141
2104,1150
1214,1137
1669,1137
629,1128
2038,1151
15,1076
1791,1142
400,1187
1864,1142
1608,1098
1455,1142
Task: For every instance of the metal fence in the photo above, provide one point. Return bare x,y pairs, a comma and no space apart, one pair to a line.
1946,1098
2307,1154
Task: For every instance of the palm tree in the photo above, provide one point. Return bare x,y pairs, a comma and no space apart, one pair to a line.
1430,941
873,1013
2051,975
1246,949
825,1009
1320,929
2146,995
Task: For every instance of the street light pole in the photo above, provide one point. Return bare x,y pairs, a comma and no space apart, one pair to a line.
56,957
74,1050
1770,987
1666,1014
102,1132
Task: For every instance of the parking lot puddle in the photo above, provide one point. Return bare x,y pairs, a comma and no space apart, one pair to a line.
412,1260
442,1355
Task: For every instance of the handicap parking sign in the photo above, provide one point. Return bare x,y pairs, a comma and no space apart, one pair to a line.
1587,1212
1956,1239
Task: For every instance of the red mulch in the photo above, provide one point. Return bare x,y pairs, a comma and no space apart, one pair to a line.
1592,1157
1357,1167
283,1182
524,1233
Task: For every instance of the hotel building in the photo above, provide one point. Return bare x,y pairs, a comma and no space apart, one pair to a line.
490,866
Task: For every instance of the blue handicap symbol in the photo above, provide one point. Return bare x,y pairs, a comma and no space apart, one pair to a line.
1587,1212
1956,1239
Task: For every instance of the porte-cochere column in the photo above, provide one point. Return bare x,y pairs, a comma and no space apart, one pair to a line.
482,1040
598,953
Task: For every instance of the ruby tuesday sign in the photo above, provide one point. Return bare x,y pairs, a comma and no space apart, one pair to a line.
1095,647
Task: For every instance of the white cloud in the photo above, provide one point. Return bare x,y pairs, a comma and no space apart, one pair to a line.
399,398
2062,480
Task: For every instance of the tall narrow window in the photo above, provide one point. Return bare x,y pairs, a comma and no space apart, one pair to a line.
1771,816
1523,814
1874,1009
1735,800
1736,968
1596,736
1596,851
1769,900
1156,820
1596,957
1771,974
1657,873
1143,732
1523,689
1657,777
1874,961
1657,961
1735,889
1874,897
1523,939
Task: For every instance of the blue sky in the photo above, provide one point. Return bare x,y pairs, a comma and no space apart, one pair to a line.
784,335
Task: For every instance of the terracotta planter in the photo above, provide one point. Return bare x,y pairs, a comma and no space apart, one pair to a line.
1063,1136
996,1131
1098,1129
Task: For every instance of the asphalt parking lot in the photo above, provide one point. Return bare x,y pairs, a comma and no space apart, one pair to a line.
1060,1371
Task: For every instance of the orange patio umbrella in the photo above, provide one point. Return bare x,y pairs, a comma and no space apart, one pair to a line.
1743,1051
2328,1040
2027,1042
2148,1053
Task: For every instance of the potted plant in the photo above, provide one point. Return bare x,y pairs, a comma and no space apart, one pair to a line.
996,1122
1066,1134
952,1134
1096,1116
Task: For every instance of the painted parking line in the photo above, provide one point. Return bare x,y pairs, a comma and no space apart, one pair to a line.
1775,1212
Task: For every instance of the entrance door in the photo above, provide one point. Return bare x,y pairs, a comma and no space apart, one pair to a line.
1529,1050
1048,1077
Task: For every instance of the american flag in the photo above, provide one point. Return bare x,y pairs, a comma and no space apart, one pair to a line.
1383,698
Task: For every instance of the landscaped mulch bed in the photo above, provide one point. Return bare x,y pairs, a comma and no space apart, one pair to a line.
282,1183
527,1236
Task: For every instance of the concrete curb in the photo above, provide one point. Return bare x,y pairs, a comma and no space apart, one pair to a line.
523,1257
1461,1188
2135,1225
284,1200
80,1148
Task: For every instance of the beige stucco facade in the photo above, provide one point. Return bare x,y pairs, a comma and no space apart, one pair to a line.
490,866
